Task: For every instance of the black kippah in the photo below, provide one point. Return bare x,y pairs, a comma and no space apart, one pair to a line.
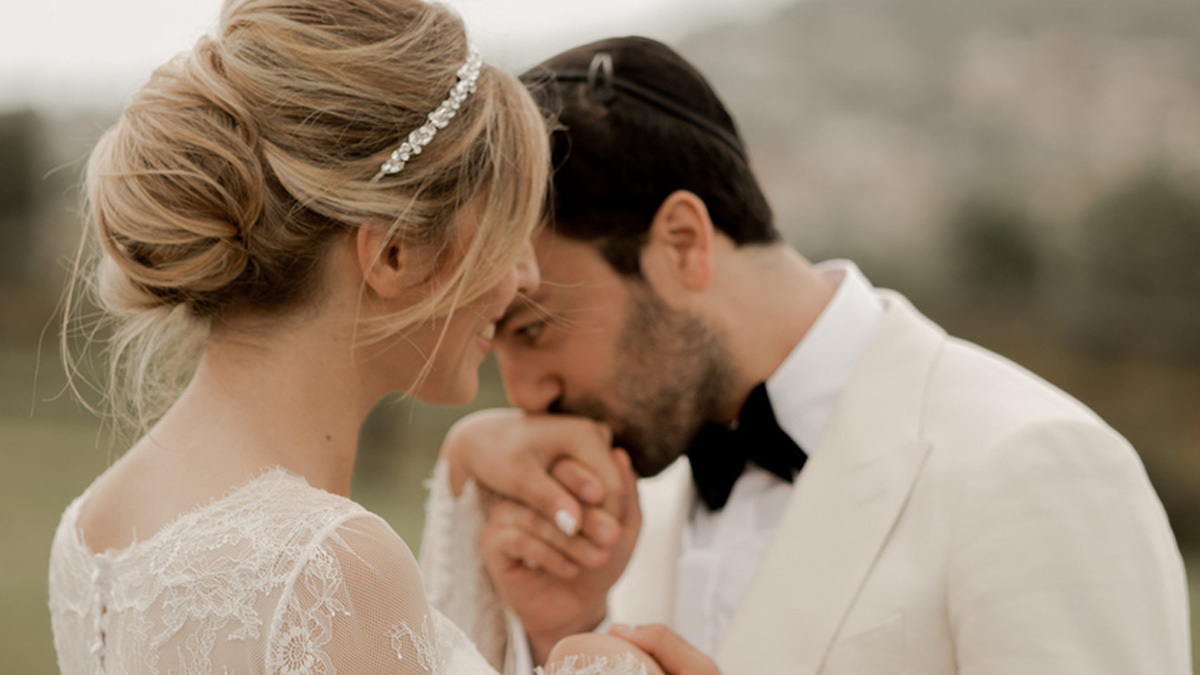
603,83
634,122
648,71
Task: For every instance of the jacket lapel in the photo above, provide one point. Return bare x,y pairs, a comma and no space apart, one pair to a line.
843,507
646,592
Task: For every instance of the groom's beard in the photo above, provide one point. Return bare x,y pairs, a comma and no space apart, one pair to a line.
668,380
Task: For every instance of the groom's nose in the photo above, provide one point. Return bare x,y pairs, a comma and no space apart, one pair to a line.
530,381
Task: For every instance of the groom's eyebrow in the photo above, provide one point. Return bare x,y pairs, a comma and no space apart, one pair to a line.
521,305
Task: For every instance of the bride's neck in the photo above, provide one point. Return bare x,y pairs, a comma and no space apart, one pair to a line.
296,401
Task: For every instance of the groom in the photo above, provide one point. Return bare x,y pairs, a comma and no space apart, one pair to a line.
833,485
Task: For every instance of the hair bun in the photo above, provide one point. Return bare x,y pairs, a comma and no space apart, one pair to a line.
230,177
176,187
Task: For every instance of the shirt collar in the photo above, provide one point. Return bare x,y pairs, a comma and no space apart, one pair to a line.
806,385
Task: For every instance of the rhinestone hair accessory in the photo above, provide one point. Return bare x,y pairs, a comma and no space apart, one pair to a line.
438,119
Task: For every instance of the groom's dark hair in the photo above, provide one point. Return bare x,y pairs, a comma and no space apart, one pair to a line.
636,122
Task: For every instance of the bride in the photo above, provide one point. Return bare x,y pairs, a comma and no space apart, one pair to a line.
324,202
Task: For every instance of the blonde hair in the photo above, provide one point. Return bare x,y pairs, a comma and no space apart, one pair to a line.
222,185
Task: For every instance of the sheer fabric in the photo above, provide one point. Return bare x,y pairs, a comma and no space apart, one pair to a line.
275,577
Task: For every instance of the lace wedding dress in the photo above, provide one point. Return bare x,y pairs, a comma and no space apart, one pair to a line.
283,578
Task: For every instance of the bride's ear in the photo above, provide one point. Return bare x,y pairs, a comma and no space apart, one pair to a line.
381,262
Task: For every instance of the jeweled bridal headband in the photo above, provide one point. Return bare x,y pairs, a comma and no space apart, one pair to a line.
438,119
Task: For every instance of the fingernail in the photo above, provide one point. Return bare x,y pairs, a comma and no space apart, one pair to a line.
566,522
620,629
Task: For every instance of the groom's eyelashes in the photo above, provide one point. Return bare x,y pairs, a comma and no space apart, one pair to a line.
530,332
525,321
524,330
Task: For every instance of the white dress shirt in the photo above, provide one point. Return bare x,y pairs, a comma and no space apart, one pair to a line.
722,549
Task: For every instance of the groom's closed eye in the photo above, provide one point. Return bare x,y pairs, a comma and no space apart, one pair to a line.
531,331
525,320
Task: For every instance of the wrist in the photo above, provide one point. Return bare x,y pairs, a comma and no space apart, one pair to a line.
455,453
457,476
543,641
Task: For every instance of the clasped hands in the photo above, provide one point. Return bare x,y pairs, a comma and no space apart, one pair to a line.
563,517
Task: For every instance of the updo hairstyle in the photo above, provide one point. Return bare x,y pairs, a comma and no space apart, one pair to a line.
218,193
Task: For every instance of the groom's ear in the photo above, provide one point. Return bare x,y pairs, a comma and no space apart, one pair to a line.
678,253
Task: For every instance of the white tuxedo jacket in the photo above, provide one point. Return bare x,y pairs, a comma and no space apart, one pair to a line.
960,516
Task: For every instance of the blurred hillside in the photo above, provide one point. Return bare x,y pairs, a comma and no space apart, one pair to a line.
881,125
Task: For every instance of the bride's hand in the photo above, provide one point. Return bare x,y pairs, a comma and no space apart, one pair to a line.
531,565
559,466
619,656
672,652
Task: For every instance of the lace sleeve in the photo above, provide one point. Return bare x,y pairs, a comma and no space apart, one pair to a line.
355,604
455,578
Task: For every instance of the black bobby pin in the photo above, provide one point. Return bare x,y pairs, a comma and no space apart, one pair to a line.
602,81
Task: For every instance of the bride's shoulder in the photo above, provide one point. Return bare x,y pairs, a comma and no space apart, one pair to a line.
288,497
314,518
332,529
279,524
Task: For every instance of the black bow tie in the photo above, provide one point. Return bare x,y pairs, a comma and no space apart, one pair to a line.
719,453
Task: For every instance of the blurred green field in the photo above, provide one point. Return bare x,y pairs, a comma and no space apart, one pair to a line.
51,449
48,458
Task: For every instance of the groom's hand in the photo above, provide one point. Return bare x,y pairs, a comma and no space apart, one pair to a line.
536,571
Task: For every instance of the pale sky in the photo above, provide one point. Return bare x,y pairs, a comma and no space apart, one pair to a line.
64,53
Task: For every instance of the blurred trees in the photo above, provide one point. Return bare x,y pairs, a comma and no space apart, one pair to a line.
1144,240
1024,170
994,250
21,165
1140,249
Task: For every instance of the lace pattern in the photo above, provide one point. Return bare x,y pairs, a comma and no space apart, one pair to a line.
276,577
598,665
456,580
423,644
303,631
265,579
